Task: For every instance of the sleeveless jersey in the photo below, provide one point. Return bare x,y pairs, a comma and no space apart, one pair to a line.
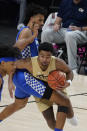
30,50
38,73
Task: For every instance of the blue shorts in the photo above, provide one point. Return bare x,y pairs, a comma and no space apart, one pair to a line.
27,85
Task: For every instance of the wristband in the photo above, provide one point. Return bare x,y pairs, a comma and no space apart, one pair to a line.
69,81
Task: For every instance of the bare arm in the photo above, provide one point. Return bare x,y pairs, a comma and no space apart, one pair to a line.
62,66
26,37
20,64
11,86
24,64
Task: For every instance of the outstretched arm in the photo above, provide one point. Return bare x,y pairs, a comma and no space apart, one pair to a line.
26,37
24,64
11,86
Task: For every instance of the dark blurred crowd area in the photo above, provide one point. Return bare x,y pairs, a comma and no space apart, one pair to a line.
9,9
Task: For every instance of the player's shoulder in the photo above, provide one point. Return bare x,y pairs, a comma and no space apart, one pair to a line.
26,32
59,60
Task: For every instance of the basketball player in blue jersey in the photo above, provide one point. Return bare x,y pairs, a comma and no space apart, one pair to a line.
27,85
26,39
14,53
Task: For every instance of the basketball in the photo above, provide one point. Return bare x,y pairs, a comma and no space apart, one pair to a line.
56,79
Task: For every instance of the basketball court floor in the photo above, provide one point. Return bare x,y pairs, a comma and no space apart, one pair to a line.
30,119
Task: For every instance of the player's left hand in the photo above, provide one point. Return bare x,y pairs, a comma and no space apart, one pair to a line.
73,28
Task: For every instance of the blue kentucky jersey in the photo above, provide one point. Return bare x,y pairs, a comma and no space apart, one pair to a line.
30,50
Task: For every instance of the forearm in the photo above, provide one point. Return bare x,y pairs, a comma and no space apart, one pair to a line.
10,81
11,86
10,77
62,66
22,43
24,64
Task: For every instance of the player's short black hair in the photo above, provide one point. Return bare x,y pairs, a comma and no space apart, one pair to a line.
45,46
9,51
32,10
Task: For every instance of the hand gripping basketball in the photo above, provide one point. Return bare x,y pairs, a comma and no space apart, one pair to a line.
56,79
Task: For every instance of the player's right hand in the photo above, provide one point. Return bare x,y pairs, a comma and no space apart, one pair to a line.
35,29
63,87
56,27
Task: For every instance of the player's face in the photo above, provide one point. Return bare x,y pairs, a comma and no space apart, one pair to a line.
8,67
39,19
44,58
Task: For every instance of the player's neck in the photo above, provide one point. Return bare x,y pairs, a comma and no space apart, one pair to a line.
43,68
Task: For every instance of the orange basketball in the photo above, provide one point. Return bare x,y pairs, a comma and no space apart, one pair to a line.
56,79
